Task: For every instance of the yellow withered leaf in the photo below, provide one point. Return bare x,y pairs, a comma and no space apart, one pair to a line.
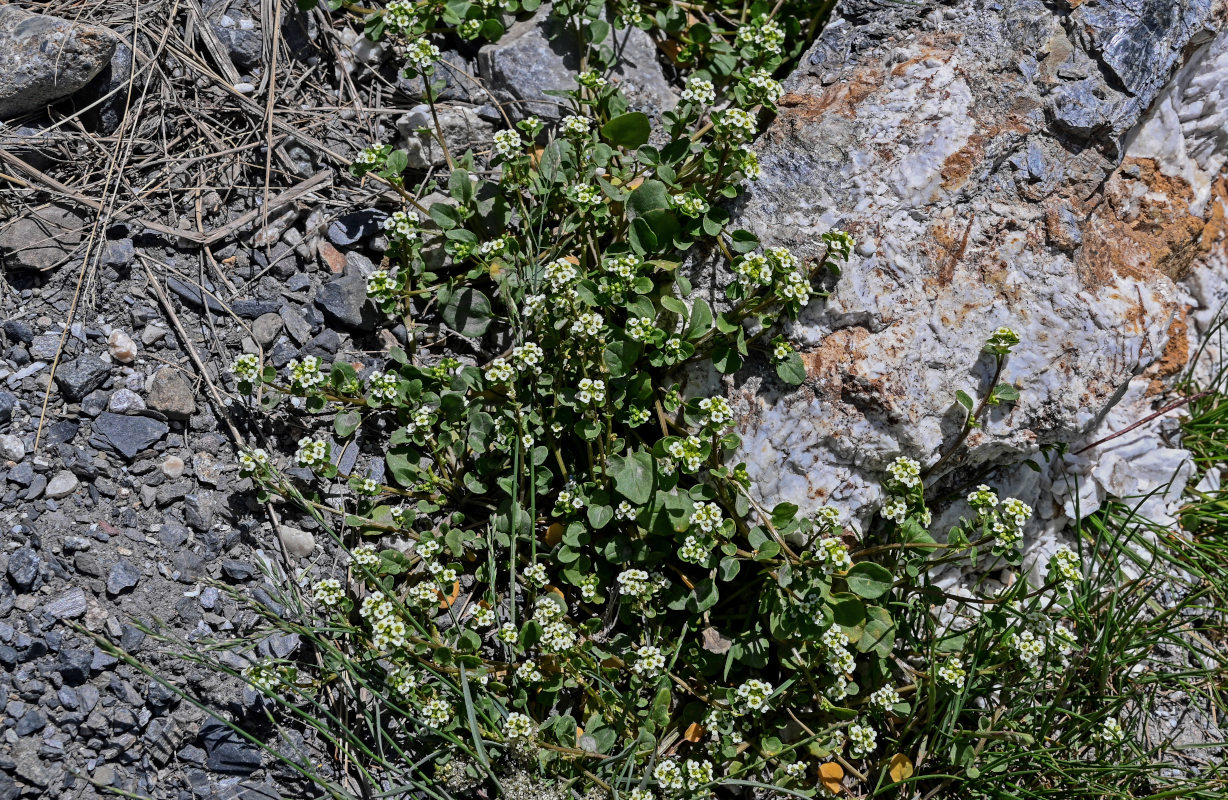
554,534
831,775
900,768
694,732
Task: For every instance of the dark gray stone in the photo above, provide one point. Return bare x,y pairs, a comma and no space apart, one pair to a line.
118,253
127,435
18,331
23,568
237,570
31,722
123,576
82,375
42,239
356,226
252,309
43,59
8,403
344,302
227,751
74,665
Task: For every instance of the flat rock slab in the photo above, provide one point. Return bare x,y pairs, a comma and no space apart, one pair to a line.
127,435
44,59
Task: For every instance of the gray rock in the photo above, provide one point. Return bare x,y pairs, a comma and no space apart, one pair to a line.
62,484
125,401
227,750
43,59
82,375
344,302
12,448
126,435
241,36
123,576
915,129
356,226
8,402
31,722
110,91
462,129
172,393
540,55
43,238
74,665
69,605
458,75
207,468
23,568
28,766
266,328
45,346
297,542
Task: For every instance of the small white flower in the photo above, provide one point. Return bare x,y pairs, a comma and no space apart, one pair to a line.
312,452
649,661
328,592
536,574
576,125
365,555
1111,732
952,672
305,374
436,713
499,371
884,698
905,472
421,54
862,740
507,142
518,726
246,368
699,91
753,695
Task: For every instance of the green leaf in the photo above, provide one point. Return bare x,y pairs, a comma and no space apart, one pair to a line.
627,130
964,400
783,514
467,312
346,423
869,580
648,196
641,237
660,706
743,241
879,633
600,516
620,356
396,163
792,371
633,476
726,358
701,319
460,186
1005,393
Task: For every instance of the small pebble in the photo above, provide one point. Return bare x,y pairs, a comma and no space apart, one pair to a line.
172,467
121,347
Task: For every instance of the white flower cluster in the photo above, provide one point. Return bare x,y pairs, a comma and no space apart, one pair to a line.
577,126
403,681
623,266
691,204
484,617
840,660
795,769
402,225
635,583
884,698
718,416
312,452
561,274
436,713
752,696
499,371
421,421
584,194
305,374
862,740
781,350
591,392
707,517
399,15
381,284
982,500
387,629
588,324
952,672
676,777
507,633
695,550
382,386
535,574
507,143
421,55
776,267
370,157
833,555
528,357
625,511
1064,642
1028,648
649,661
328,592
905,473
588,587
251,461
529,672
262,676
558,637
766,89
494,247
1064,566
699,91
895,509
640,329
592,79
734,125
365,555
1001,341
688,451
747,162
246,368
1110,733
763,35
518,726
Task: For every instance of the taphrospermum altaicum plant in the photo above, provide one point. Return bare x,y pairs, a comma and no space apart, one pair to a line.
576,590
